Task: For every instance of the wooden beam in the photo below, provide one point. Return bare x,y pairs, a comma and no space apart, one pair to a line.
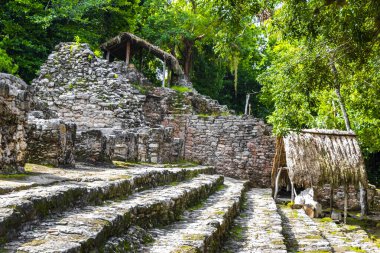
345,188
331,198
163,73
276,184
127,52
108,55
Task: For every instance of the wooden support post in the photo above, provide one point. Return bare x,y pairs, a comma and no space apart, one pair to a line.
292,190
276,183
246,103
363,201
170,73
345,204
127,53
163,73
331,198
108,55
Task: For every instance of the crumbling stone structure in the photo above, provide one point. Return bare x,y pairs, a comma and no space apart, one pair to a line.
50,142
119,115
237,146
14,104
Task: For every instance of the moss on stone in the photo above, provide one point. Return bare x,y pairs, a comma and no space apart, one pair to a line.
355,249
34,242
186,249
193,237
326,219
197,206
237,232
313,237
14,176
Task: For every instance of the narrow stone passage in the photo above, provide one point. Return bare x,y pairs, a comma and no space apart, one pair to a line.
301,232
258,227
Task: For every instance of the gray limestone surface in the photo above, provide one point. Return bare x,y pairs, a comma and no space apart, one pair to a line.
258,227
83,229
203,227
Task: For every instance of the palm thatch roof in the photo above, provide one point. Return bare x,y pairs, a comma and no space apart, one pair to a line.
316,157
117,48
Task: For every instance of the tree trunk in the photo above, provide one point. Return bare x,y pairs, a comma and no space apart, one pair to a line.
345,204
363,191
340,98
187,54
246,103
331,198
363,201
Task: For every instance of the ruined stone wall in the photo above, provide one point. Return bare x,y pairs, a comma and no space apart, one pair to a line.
50,142
154,145
240,147
14,104
322,194
161,102
89,91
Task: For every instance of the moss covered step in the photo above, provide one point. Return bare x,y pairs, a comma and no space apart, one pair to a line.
258,228
106,183
346,238
301,232
85,229
202,227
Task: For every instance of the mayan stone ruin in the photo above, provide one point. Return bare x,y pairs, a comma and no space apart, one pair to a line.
107,162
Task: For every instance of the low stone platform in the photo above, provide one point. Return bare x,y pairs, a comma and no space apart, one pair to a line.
157,208
58,189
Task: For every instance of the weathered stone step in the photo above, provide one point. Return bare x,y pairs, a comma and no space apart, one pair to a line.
301,232
85,229
26,205
202,228
258,228
346,238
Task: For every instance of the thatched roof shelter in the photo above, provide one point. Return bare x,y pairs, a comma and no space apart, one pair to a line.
316,157
126,44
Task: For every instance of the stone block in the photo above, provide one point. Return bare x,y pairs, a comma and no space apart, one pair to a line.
51,142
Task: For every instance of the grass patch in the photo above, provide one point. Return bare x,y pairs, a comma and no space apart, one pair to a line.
369,226
14,176
221,187
237,232
356,249
197,206
326,219
313,237
174,183
185,249
219,212
181,89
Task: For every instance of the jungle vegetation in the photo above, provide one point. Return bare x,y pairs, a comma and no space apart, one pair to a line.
300,59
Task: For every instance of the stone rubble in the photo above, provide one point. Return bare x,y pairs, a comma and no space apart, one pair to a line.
258,228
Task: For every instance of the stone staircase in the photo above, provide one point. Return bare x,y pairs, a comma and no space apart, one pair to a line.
156,208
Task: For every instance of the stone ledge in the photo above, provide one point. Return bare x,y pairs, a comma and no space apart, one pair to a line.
26,205
202,229
87,228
